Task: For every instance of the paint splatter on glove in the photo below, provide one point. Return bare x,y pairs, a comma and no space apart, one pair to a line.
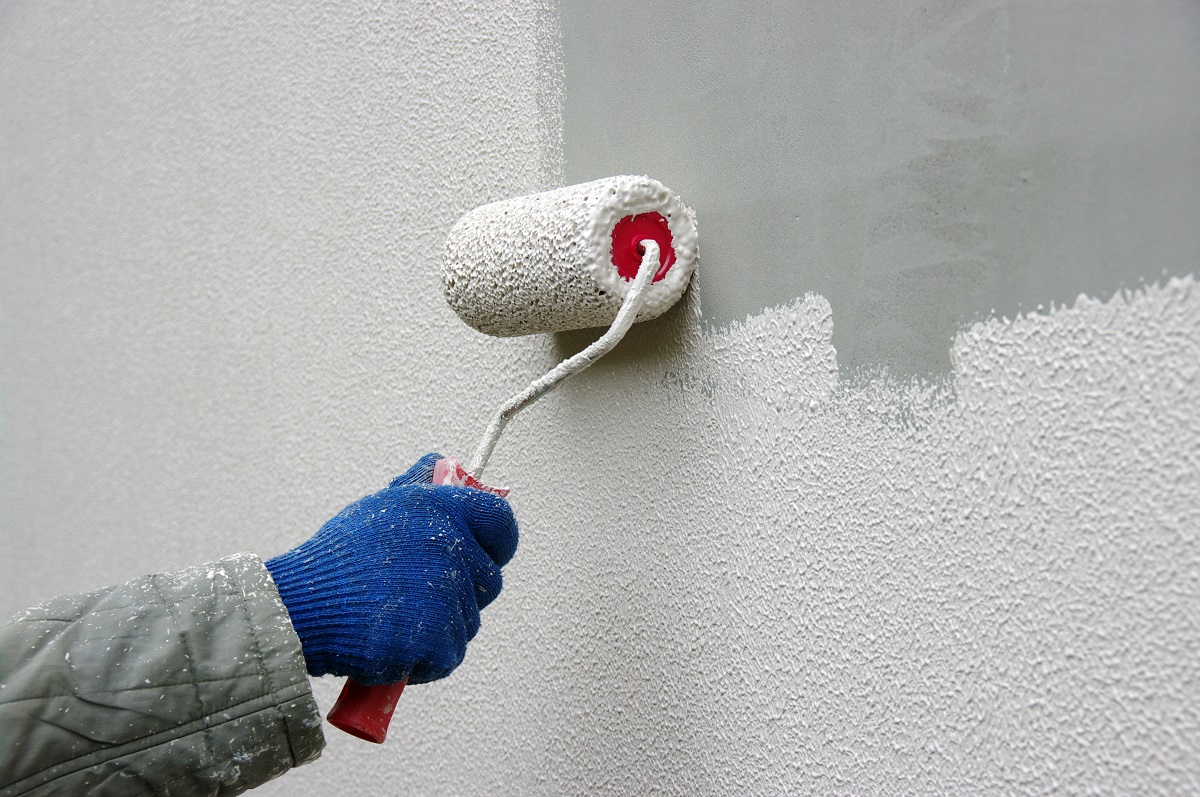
393,585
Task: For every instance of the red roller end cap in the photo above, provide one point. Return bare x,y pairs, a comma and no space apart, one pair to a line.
627,237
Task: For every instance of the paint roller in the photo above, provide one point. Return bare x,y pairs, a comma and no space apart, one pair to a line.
609,252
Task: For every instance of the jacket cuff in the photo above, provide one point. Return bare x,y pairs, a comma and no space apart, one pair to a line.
282,657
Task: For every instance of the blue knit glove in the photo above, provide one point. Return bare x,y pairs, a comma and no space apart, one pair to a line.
393,585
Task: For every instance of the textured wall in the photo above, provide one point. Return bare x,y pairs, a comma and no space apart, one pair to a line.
738,574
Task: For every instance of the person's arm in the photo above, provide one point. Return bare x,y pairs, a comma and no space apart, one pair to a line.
195,682
190,682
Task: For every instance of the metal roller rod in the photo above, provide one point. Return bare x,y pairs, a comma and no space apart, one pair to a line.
573,365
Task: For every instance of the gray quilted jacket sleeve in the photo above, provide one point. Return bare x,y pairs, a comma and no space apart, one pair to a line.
187,683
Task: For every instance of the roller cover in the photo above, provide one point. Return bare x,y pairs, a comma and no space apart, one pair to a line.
544,263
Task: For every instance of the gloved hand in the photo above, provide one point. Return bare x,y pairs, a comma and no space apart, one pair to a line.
392,586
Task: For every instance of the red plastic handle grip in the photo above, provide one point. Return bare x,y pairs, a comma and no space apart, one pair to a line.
366,711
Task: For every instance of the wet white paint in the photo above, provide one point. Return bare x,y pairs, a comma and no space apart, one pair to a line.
738,574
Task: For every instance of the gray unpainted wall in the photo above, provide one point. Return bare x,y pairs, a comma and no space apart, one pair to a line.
740,571
921,164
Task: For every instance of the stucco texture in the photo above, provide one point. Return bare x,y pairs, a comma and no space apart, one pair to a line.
741,572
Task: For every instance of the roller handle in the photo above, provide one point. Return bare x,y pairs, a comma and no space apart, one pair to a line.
366,711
